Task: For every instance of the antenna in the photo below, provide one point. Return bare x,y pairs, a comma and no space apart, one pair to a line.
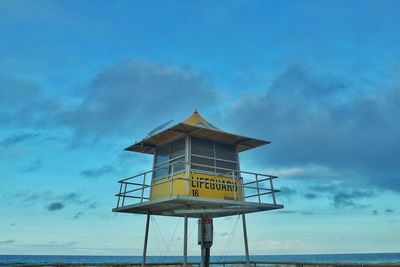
158,128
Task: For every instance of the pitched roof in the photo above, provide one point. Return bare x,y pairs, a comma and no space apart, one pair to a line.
194,125
197,120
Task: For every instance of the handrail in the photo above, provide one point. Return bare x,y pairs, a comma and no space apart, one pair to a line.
126,189
200,165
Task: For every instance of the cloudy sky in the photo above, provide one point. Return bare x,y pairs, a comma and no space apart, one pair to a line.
80,81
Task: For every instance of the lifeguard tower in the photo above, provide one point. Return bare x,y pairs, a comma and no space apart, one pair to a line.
196,174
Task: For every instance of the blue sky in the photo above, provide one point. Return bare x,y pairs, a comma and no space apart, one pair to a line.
81,80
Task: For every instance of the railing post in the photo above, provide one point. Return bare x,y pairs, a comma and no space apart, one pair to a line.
187,176
172,179
272,191
234,185
123,198
258,189
119,195
242,186
144,183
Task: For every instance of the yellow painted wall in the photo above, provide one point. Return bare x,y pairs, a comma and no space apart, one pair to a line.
162,187
201,185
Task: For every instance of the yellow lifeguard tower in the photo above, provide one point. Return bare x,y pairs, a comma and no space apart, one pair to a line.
196,174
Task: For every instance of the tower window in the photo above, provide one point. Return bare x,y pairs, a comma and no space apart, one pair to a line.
213,157
168,154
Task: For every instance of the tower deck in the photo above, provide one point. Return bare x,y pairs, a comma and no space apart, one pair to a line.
196,207
251,192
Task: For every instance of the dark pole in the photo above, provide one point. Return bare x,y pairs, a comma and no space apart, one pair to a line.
185,232
146,235
207,257
246,245
205,240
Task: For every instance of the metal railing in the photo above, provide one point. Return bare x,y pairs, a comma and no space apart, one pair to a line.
251,185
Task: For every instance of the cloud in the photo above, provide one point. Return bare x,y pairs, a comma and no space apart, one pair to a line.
56,243
326,121
33,197
286,211
18,138
344,199
126,99
74,198
341,194
7,241
92,205
78,215
134,95
55,206
287,191
323,188
304,213
307,213
96,173
310,196
388,211
23,104
36,165
295,212
53,201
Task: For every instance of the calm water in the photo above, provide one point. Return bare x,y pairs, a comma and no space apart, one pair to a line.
347,258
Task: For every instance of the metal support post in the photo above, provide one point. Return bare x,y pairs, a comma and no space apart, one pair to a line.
234,185
119,195
123,199
144,184
205,240
202,263
272,191
258,189
207,257
185,242
246,245
146,235
172,179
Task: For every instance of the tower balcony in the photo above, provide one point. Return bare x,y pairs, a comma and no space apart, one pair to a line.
181,188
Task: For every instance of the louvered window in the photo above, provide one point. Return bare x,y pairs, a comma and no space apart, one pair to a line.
213,157
167,156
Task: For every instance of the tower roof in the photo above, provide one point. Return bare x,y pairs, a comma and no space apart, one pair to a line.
195,125
197,120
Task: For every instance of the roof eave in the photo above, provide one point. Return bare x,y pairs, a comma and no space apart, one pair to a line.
147,145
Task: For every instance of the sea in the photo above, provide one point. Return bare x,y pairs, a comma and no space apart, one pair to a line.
12,260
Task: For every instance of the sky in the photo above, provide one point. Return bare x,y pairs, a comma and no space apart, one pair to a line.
81,80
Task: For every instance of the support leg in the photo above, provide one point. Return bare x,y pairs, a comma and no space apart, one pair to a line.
246,245
202,263
146,235
205,240
207,257
185,242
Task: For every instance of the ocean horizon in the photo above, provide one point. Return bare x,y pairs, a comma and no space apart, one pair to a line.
374,258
